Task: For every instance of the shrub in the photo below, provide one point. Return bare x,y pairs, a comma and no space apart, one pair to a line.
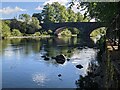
75,31
16,32
65,32
45,33
37,34
50,32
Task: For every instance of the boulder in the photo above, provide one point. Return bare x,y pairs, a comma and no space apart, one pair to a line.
79,66
59,75
68,59
53,57
60,59
43,56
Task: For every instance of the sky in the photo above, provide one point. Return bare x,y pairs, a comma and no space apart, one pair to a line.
12,8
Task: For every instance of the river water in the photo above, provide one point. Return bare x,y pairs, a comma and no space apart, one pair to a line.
23,66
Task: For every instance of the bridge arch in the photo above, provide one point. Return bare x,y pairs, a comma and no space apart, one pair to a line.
87,32
85,28
60,29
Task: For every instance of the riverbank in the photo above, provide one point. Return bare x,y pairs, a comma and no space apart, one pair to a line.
109,70
28,36
42,36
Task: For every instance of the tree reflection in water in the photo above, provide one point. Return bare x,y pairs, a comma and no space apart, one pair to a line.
87,82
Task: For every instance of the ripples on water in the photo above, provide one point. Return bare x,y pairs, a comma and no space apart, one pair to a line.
23,66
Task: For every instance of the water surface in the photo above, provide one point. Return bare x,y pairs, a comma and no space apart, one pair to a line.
23,66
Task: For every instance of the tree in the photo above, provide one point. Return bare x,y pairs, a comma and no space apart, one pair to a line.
25,18
54,12
5,29
48,13
38,16
72,17
16,32
101,11
26,24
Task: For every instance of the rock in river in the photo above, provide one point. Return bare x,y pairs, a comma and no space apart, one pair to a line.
79,66
43,56
46,58
59,75
60,59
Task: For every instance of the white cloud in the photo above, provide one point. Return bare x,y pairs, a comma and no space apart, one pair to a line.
39,8
9,10
62,2
75,6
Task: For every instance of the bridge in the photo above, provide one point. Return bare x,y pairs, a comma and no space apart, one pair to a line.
85,27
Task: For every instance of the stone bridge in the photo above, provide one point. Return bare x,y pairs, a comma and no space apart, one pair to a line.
85,27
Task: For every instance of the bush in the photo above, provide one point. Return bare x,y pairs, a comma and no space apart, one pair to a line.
99,31
65,32
50,32
37,34
16,32
75,31
45,33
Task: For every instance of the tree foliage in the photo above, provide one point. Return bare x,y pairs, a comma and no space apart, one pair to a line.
26,24
56,13
65,32
16,32
5,29
101,11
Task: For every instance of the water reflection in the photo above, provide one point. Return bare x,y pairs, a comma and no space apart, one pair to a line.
40,79
26,58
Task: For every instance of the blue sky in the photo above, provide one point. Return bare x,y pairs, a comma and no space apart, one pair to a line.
12,8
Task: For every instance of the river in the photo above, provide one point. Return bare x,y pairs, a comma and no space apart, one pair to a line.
24,67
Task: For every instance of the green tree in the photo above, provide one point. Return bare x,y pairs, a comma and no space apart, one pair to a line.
16,32
54,12
25,18
26,24
101,11
38,16
48,13
5,29
71,15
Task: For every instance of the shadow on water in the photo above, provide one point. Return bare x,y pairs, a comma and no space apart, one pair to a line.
100,76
